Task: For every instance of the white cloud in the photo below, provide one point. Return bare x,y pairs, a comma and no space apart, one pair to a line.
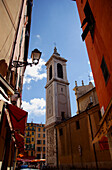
91,77
92,81
38,36
89,62
35,108
28,87
35,73
91,74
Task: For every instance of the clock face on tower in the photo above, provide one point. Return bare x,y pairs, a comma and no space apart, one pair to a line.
62,98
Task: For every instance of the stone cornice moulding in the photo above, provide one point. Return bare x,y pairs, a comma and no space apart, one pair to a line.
57,80
57,57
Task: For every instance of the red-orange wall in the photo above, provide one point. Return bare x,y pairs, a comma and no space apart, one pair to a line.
102,45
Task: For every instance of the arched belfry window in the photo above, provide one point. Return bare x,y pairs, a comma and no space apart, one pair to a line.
60,70
50,72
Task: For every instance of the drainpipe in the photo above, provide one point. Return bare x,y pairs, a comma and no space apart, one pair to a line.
57,148
94,150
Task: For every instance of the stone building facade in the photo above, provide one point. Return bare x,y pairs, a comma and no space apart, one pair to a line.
15,21
75,135
95,17
85,94
57,102
35,141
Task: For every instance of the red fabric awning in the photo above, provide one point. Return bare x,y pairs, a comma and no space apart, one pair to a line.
18,118
19,142
104,143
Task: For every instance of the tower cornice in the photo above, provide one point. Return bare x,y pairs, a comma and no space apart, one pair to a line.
57,80
55,56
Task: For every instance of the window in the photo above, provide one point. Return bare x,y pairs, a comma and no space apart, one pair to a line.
38,156
33,128
27,140
28,134
43,156
39,135
61,89
32,139
26,146
104,70
38,149
99,113
28,128
44,130
43,135
60,70
50,73
91,100
32,133
63,115
61,132
38,141
33,146
20,81
77,124
38,129
31,153
90,22
43,149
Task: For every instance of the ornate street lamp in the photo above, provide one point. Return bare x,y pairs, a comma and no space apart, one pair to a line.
35,55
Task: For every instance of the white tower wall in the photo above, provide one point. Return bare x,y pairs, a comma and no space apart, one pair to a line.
57,102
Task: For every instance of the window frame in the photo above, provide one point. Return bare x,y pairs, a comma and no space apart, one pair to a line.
39,149
61,131
63,115
77,125
89,19
105,71
50,72
59,70
39,135
38,142
43,142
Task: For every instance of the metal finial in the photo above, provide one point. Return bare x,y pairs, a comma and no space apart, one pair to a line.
55,50
75,83
82,83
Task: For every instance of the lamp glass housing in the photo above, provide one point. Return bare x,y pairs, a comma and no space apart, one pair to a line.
35,55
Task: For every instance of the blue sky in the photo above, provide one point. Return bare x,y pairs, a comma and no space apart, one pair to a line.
54,21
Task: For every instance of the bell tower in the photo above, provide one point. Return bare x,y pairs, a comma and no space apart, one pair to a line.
57,102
